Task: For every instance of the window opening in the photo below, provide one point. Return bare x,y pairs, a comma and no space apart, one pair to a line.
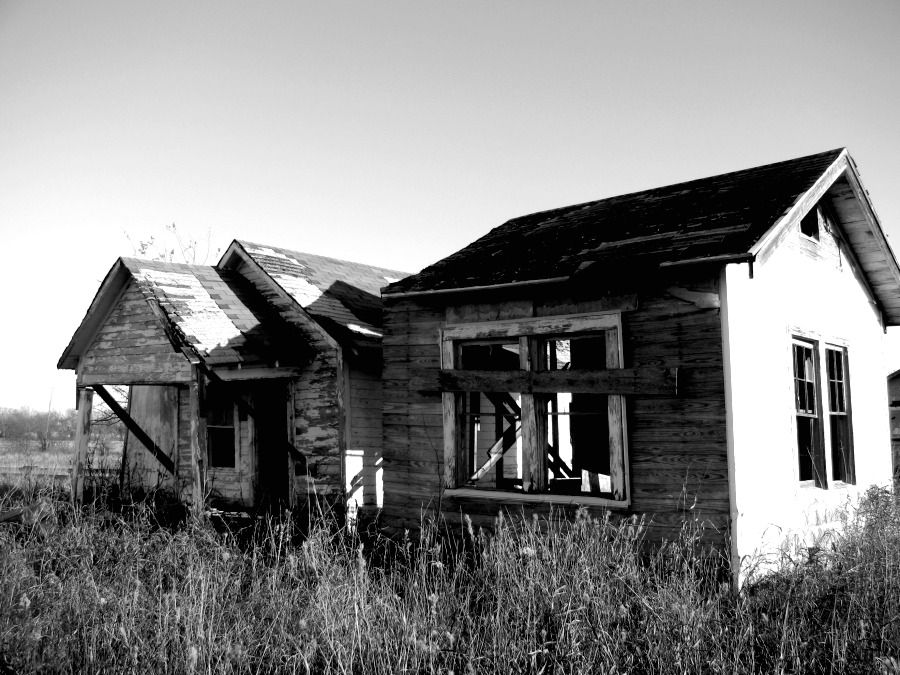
578,449
493,420
842,460
811,460
809,224
575,442
220,428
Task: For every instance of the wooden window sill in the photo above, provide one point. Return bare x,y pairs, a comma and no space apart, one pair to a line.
543,498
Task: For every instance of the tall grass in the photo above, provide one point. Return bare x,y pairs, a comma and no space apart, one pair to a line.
120,593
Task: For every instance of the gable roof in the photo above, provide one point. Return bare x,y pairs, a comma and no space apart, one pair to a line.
344,297
717,219
214,313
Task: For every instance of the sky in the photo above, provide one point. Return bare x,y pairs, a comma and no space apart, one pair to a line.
392,132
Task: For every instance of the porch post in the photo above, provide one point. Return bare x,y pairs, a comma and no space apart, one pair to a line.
84,406
198,439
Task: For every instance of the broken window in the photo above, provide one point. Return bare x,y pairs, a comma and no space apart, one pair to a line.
579,422
220,427
508,426
842,461
492,419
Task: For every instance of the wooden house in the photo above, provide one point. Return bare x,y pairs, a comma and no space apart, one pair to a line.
711,349
256,380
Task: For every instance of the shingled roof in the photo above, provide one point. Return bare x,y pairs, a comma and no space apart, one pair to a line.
709,218
216,313
344,297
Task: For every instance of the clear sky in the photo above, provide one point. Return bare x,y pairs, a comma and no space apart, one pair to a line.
392,132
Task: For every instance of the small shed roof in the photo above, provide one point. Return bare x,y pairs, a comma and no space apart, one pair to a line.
707,219
344,297
214,312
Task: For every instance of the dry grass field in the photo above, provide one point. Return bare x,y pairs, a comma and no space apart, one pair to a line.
115,590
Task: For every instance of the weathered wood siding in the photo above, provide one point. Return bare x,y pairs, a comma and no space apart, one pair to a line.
155,409
676,444
318,427
808,289
316,414
131,347
363,471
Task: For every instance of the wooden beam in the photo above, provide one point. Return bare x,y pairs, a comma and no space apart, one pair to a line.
498,449
534,425
82,435
621,381
545,325
198,438
135,429
616,417
456,469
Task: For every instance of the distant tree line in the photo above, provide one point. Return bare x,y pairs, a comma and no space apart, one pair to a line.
43,428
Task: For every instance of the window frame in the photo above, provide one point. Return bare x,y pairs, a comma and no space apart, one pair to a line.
221,393
818,459
847,477
824,435
531,333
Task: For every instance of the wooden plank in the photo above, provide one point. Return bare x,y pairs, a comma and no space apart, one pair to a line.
563,305
82,436
198,439
550,325
455,469
534,431
624,381
135,429
616,417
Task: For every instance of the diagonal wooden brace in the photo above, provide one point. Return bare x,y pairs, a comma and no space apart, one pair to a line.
135,428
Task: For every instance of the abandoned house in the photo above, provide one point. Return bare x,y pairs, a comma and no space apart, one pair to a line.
253,382
710,349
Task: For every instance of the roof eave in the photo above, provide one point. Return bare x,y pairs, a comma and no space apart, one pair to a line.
104,300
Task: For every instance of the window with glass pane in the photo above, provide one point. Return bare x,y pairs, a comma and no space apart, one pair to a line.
809,445
220,433
842,461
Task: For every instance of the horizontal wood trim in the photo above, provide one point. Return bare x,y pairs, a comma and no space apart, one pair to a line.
550,325
119,376
501,497
625,381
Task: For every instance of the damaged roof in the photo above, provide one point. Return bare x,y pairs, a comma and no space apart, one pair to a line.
707,219
213,312
344,297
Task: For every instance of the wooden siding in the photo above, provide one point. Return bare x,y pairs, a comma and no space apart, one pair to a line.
155,409
364,437
315,408
131,347
676,443
317,430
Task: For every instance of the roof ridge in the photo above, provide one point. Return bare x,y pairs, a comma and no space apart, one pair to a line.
563,210
345,261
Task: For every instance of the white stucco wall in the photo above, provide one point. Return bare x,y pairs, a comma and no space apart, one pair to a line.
804,289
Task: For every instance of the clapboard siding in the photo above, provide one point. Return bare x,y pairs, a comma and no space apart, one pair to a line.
317,426
676,444
364,436
131,346
155,409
